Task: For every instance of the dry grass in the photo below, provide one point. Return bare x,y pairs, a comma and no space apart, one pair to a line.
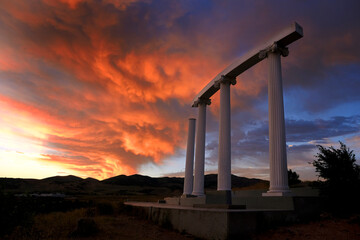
56,225
113,224
119,225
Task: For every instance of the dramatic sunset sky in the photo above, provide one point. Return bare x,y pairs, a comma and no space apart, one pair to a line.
100,88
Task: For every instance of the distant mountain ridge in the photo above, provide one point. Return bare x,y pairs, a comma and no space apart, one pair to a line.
63,179
117,185
210,181
140,180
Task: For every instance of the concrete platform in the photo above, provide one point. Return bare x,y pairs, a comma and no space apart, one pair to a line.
210,223
213,221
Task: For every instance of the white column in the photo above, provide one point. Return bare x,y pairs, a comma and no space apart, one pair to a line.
277,142
189,165
224,163
200,150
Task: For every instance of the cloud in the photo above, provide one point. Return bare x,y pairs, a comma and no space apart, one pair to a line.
250,147
97,81
104,87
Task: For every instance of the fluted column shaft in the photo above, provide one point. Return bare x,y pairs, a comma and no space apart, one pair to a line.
200,150
189,165
224,163
277,140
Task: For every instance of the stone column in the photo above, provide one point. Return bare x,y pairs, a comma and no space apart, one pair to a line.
189,165
277,141
200,148
224,163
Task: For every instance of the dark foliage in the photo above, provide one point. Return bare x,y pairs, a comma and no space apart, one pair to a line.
342,178
22,199
86,227
13,214
293,178
20,210
105,208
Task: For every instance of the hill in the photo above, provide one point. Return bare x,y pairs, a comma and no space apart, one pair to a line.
118,185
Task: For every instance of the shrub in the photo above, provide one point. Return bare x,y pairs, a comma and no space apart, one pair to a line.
342,177
293,178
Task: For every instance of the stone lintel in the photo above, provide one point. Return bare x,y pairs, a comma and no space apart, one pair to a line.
274,48
251,58
201,101
224,79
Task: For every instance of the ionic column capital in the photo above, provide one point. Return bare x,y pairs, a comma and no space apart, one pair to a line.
224,79
202,101
274,48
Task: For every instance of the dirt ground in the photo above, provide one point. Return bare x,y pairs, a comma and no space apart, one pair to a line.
124,226
327,228
130,227
60,226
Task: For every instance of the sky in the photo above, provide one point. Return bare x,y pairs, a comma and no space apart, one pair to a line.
101,88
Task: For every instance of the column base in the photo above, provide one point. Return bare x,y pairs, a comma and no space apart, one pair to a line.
188,196
198,194
228,196
286,193
219,197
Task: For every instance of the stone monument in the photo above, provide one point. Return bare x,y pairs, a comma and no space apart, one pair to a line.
272,50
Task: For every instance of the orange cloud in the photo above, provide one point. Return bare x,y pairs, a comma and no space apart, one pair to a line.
112,110
109,95
104,87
